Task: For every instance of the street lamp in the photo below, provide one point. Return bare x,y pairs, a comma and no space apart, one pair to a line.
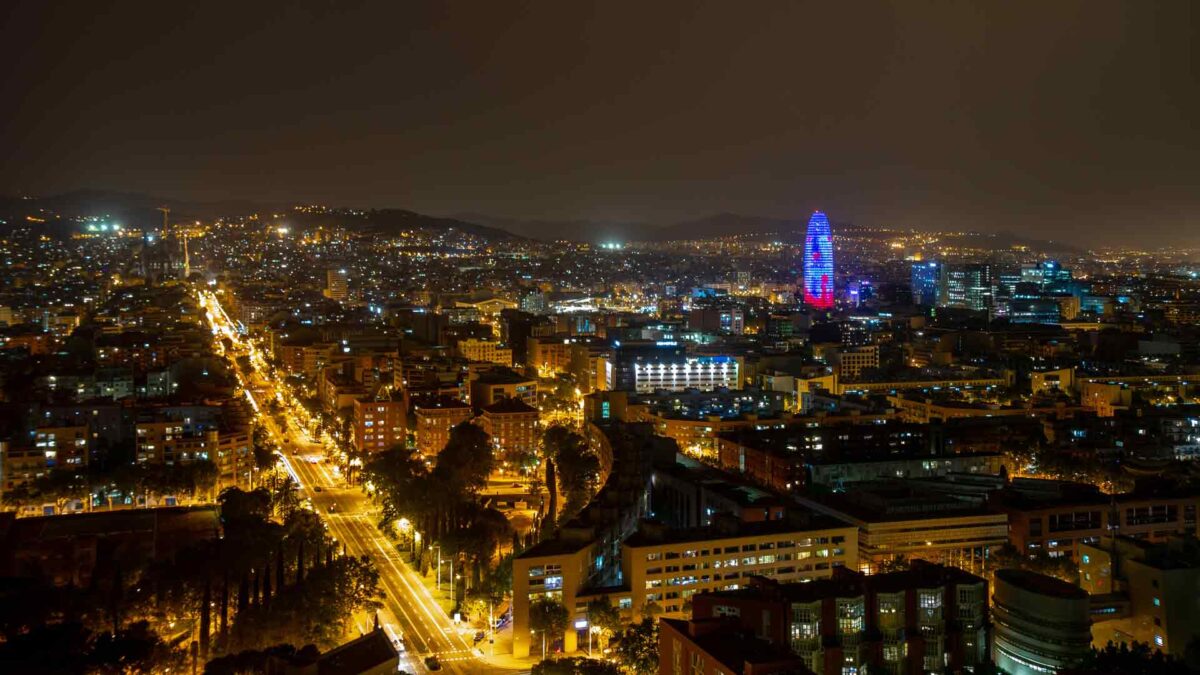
592,630
404,527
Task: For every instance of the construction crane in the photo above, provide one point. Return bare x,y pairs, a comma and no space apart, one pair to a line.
166,226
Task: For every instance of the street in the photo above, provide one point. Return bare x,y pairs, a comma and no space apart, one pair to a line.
409,611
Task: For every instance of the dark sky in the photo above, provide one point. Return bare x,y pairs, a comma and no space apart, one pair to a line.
1060,118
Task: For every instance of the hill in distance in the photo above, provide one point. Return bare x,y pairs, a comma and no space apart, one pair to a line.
141,211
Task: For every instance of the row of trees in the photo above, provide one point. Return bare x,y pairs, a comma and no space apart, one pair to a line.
118,477
265,582
442,502
636,646
571,465
196,480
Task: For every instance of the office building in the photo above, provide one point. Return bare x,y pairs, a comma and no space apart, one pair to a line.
1059,516
968,286
490,386
649,366
818,263
903,518
662,569
927,283
1041,623
665,567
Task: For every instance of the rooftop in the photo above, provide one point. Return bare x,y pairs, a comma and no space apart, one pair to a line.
651,534
850,583
508,406
358,656
1041,584
714,637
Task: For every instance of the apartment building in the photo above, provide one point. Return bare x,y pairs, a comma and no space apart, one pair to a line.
1058,516
380,425
512,426
928,618
434,418
666,567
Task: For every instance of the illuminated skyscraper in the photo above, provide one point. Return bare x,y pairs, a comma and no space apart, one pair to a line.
927,282
818,263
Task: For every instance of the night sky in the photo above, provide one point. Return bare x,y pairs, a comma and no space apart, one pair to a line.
1053,118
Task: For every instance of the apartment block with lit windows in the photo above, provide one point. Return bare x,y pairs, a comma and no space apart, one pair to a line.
434,419
486,351
1059,516
929,618
379,425
666,567
512,426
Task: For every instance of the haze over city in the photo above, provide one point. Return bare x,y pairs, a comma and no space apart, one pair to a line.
1068,120
343,338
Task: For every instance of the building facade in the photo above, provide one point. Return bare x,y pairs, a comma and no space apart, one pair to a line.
818,263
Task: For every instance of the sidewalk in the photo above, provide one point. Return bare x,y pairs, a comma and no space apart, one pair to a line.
503,647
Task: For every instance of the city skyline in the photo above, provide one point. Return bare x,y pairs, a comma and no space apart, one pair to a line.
544,338
1068,123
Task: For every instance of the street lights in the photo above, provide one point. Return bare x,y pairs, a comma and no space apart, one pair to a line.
439,564
404,526
592,630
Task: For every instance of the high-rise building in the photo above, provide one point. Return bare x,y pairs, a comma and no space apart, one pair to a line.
968,287
337,284
927,282
818,263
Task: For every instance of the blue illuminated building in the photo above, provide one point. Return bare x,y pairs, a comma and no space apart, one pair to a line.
926,282
818,263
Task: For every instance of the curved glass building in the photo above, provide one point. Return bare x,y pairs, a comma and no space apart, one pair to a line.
818,263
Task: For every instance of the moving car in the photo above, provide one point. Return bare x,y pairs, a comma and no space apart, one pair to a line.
432,663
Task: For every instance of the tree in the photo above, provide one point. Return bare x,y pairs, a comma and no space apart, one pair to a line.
604,617
400,479
547,616
552,486
578,468
285,499
575,665
237,505
1062,567
1136,659
316,610
637,651
897,563
466,461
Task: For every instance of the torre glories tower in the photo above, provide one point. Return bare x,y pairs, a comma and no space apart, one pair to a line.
818,263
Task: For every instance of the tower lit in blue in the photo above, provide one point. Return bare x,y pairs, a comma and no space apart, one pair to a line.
818,263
